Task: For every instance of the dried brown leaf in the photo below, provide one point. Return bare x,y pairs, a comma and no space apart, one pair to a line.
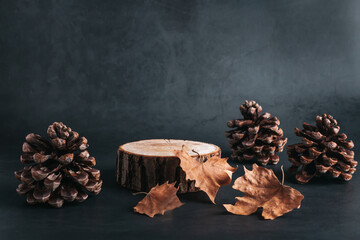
263,189
159,200
209,176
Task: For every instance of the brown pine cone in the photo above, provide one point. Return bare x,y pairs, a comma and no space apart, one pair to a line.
322,151
58,169
257,135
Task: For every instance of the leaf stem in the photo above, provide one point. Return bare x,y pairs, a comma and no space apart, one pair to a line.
283,174
139,193
196,153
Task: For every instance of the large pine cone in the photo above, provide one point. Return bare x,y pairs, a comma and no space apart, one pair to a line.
59,169
257,135
322,151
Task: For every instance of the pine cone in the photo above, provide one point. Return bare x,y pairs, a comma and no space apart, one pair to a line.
59,169
322,151
256,135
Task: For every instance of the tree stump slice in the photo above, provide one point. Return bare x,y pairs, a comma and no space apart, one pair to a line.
143,164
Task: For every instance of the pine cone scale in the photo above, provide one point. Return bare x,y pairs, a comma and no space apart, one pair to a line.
81,196
53,181
68,193
26,158
27,148
23,188
56,201
37,142
26,177
41,194
30,199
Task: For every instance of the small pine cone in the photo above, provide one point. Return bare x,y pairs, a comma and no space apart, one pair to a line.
322,151
257,135
57,169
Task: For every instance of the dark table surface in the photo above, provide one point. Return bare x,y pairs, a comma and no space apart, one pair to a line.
330,210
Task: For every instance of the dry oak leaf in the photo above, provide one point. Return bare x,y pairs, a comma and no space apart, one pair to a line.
159,200
263,189
209,176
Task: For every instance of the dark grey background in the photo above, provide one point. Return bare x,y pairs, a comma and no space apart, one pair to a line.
118,71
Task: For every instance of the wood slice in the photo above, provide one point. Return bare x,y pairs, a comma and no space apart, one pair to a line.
143,164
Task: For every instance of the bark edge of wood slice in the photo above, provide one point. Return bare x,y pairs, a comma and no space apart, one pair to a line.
143,164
